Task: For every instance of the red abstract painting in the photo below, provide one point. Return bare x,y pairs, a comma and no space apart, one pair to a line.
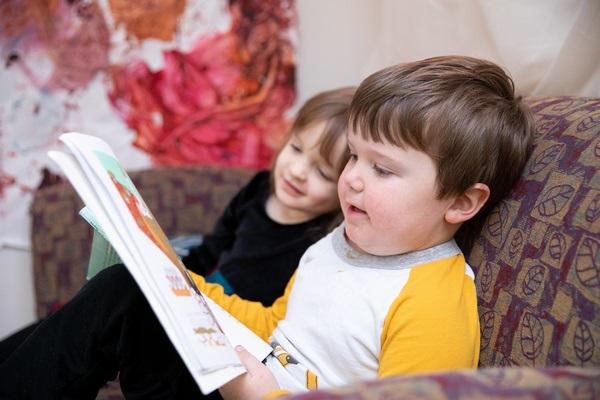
165,82
221,103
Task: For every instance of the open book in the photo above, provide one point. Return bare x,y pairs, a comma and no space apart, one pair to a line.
203,333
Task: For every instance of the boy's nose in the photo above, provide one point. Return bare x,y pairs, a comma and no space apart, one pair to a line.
353,179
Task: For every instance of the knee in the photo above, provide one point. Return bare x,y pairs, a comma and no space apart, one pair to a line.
115,279
114,291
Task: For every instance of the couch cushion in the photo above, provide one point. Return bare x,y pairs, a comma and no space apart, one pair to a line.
538,258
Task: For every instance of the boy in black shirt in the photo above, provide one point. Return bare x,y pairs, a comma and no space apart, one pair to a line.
255,246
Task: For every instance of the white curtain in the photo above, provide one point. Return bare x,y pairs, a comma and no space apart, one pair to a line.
550,47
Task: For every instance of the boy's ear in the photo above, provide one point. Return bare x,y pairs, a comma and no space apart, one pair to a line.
468,204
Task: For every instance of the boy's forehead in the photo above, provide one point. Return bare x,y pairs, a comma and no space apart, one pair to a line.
383,151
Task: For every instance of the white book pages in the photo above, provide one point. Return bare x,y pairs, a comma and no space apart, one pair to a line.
201,331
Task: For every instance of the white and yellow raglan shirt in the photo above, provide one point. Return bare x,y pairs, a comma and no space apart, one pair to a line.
347,317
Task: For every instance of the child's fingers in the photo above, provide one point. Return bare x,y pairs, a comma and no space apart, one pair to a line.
254,384
250,362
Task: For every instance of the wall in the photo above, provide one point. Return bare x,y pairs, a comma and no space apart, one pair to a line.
17,306
550,47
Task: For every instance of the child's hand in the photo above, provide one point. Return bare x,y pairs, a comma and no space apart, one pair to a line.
254,384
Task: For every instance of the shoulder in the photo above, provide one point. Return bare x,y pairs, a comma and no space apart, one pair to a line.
260,183
257,187
442,290
438,278
260,179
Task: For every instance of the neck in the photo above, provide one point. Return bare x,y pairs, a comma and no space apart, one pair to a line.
282,214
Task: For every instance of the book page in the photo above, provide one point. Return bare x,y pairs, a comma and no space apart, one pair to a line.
104,256
134,233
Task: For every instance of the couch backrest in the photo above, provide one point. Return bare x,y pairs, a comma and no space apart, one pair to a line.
185,200
538,258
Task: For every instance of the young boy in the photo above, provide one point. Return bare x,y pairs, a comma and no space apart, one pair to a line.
434,144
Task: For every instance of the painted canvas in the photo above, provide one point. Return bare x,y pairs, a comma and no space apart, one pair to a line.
165,82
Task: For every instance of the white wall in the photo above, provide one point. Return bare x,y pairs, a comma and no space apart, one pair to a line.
17,306
337,42
550,47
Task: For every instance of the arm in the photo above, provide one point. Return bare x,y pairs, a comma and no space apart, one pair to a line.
258,318
433,325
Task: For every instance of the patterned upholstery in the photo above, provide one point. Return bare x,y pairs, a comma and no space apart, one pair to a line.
537,263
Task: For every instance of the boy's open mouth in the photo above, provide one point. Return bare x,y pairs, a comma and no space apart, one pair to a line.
355,209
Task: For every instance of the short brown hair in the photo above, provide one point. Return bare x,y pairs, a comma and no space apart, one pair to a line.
461,111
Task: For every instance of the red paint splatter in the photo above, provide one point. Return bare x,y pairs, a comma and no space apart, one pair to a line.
223,102
5,182
73,34
148,19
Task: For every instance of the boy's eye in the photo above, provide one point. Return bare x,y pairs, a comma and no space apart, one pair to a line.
353,157
295,148
381,171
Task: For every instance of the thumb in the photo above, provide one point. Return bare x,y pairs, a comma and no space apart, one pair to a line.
248,360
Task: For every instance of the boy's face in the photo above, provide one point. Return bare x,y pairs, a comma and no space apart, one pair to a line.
305,184
388,197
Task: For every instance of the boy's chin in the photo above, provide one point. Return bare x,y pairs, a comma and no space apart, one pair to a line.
369,247
357,244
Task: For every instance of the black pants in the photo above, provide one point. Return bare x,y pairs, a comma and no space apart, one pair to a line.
107,328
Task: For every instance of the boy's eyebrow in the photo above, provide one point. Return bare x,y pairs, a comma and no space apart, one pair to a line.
387,159
374,153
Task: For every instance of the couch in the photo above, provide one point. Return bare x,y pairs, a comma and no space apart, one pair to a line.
537,264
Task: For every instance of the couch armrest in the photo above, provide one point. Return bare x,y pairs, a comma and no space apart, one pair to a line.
471,384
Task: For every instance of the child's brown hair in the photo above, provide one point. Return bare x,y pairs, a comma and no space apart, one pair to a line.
462,112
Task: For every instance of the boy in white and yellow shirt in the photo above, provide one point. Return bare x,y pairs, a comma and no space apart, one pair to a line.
434,145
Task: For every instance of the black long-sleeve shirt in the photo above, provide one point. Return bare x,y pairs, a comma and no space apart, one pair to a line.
256,255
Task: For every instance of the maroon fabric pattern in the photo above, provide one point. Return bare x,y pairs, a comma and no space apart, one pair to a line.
537,261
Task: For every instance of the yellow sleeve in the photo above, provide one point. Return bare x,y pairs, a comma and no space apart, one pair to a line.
275,394
260,319
433,325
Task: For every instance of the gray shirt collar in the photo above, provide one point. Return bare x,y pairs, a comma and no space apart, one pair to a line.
359,259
